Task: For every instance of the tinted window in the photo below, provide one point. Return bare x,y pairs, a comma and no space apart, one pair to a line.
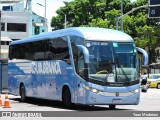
5,42
39,50
12,51
16,27
77,40
28,51
57,49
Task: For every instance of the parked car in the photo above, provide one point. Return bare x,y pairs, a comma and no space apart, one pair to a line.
154,81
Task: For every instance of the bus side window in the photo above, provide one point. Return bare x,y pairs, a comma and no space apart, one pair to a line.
39,56
75,55
81,63
58,50
11,54
50,55
77,40
39,50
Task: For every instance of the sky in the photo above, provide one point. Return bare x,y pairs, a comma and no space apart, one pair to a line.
52,6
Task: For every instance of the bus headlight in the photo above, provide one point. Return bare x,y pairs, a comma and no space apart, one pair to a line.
86,87
135,91
91,89
95,90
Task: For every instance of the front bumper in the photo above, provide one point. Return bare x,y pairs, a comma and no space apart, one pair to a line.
97,99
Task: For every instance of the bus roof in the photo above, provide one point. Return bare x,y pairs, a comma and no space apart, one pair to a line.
89,33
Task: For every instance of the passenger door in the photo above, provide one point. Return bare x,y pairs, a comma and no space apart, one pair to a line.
82,71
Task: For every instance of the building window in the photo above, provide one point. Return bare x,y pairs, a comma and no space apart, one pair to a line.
2,26
16,27
37,30
42,21
5,42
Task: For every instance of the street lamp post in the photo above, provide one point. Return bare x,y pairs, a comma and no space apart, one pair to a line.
45,22
134,9
121,15
29,2
65,21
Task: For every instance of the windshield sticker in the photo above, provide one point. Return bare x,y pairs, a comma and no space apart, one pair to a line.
99,43
115,45
104,43
88,44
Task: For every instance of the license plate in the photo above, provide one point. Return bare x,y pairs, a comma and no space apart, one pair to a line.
116,100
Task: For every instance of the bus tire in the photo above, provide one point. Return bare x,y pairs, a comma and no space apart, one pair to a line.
22,93
112,107
66,98
158,86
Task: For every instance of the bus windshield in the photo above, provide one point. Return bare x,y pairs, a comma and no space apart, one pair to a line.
112,61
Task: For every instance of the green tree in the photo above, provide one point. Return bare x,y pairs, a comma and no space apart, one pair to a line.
103,13
84,12
144,30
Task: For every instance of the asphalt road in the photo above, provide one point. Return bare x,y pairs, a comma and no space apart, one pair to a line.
150,101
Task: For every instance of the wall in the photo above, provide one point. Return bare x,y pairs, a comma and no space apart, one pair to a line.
15,17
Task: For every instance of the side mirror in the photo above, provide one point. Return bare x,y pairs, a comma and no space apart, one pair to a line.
85,52
145,55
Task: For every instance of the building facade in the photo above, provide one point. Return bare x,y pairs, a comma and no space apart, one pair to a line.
18,22
15,25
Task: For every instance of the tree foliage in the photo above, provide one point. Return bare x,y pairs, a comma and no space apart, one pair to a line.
103,13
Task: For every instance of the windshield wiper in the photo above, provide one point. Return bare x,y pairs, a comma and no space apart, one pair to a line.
124,73
121,67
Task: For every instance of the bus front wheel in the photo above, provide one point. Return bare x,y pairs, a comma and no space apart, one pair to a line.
66,98
22,93
112,107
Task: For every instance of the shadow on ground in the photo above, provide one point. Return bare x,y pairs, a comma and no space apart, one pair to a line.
60,105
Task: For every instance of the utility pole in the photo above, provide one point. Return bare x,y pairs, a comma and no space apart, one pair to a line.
45,14
121,15
134,9
45,18
29,2
65,21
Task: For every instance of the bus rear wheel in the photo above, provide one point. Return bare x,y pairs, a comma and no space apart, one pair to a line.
22,93
112,107
66,98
